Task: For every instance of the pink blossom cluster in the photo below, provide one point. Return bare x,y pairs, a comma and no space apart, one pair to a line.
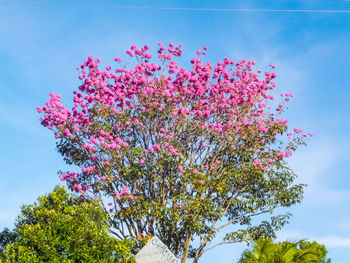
151,105
125,192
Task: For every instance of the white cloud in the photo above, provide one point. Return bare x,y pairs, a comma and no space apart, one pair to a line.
328,241
344,224
21,118
334,241
315,162
318,166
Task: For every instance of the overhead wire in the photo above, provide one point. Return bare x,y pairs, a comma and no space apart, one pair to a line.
175,8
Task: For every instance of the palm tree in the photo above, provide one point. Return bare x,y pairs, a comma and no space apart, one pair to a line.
301,251
262,250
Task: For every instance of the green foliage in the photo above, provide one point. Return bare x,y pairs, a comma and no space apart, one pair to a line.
302,251
6,237
63,228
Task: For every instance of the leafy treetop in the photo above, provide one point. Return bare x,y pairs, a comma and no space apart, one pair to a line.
63,228
302,251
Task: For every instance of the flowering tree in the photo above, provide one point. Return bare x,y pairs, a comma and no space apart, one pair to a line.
178,153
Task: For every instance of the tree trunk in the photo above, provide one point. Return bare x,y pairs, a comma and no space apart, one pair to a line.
187,245
196,259
199,252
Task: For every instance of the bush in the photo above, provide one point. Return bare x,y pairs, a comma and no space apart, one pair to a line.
63,228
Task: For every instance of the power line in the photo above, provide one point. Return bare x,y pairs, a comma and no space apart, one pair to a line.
178,8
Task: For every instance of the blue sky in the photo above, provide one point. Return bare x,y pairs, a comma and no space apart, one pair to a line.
41,46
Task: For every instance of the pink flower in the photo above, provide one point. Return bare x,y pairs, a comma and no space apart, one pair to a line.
67,132
77,187
125,190
297,130
93,140
130,53
199,113
206,114
156,147
282,154
171,149
201,181
255,162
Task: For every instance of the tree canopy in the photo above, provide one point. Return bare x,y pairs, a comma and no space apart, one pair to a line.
63,228
179,153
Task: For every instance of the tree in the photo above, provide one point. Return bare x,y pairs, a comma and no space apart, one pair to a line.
6,237
302,251
179,153
63,228
318,248
261,252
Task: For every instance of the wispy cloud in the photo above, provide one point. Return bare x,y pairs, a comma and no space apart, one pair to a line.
328,241
344,225
334,241
314,163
